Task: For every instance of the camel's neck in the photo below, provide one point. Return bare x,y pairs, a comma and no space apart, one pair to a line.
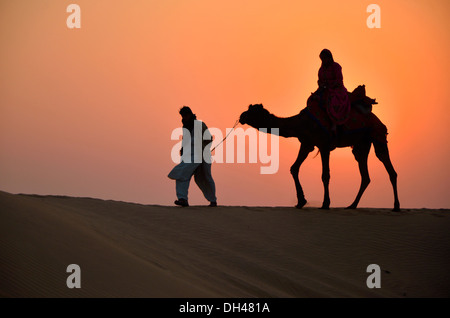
286,126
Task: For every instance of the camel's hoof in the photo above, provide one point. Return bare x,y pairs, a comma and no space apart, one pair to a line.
396,210
325,205
351,207
301,204
396,207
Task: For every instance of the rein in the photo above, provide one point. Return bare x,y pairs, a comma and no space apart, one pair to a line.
235,124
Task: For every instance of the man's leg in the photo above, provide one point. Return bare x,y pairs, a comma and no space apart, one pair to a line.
182,188
182,182
205,181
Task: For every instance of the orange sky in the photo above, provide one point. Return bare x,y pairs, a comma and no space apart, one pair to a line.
90,111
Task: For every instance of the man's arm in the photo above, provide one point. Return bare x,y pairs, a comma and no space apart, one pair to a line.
337,79
207,137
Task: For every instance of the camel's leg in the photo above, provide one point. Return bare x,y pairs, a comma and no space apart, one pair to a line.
325,154
295,168
361,153
382,152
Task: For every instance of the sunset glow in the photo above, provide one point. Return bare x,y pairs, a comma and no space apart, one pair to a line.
90,111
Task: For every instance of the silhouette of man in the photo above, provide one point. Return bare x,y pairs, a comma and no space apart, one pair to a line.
195,160
332,90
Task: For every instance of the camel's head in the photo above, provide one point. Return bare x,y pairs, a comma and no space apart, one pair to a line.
254,116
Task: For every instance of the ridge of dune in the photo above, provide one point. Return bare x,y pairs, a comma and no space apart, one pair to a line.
134,250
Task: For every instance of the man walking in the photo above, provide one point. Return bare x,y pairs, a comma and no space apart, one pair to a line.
195,160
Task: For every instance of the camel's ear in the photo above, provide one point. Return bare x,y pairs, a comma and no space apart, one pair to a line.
259,106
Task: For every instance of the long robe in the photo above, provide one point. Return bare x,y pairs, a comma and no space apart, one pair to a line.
195,161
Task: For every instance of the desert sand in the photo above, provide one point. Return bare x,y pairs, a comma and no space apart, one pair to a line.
133,250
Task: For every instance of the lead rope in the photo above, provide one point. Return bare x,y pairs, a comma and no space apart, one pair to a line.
235,124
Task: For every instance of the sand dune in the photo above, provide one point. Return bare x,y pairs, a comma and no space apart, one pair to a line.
132,250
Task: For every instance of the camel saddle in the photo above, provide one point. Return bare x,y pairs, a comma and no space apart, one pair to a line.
360,117
360,101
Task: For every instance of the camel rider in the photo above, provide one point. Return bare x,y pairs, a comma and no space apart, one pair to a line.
195,160
332,91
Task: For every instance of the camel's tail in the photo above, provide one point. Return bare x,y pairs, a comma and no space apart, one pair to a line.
317,153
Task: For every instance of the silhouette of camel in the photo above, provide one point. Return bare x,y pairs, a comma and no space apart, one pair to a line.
311,134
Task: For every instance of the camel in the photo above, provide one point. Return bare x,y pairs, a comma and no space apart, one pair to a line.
311,134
